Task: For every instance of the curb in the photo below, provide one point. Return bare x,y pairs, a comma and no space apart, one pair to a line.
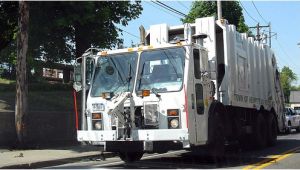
47,163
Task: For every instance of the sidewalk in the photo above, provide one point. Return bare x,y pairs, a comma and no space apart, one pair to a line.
38,158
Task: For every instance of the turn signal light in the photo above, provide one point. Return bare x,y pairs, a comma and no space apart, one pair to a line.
107,95
145,93
173,112
96,116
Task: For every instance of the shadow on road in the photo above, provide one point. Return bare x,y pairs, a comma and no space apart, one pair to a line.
235,158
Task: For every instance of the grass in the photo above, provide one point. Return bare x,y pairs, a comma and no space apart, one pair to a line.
6,81
41,96
40,101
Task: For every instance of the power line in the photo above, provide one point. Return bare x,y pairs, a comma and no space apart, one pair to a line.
248,12
169,8
172,9
279,44
129,33
259,12
183,5
161,8
284,51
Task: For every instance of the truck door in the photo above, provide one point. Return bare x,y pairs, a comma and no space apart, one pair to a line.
200,117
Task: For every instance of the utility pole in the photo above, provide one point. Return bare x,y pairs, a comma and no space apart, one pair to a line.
259,36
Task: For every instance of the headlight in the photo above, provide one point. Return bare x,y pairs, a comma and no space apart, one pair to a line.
151,114
97,125
173,123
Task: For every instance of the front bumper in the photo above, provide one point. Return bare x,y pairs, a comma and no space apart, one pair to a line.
137,135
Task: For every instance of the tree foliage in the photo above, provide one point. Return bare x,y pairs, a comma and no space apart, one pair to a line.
231,10
63,30
73,27
8,22
287,76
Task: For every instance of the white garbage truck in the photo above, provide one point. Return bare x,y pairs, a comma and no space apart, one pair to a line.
190,86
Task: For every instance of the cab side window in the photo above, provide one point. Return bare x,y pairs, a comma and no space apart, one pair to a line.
199,98
197,71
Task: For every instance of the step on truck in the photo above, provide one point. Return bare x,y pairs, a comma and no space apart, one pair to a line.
184,87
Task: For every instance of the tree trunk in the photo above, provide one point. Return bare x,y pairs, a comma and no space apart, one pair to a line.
21,75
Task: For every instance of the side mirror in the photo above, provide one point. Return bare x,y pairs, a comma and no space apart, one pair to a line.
203,61
77,85
212,69
89,71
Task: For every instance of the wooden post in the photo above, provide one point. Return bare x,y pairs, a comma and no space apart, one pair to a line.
21,110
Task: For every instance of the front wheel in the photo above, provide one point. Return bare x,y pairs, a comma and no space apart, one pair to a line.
217,143
130,157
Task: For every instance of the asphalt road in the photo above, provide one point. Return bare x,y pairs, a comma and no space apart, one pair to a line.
284,155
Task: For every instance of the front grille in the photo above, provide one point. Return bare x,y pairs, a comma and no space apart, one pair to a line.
151,115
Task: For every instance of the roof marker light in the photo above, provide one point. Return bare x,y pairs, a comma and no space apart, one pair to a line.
103,53
140,49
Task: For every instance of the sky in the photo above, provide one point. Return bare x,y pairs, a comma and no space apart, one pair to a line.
284,17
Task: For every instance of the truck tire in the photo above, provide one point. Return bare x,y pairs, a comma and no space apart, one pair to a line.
272,130
260,132
129,157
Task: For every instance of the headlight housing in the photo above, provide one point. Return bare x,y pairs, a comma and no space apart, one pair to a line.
151,114
97,121
173,118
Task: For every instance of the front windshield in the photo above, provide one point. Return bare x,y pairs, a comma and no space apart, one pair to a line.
161,70
114,73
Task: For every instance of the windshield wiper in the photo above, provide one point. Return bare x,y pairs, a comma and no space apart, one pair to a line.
129,77
155,92
140,78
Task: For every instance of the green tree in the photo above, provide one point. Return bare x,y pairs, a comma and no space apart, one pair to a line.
72,27
61,31
287,76
8,22
295,88
231,10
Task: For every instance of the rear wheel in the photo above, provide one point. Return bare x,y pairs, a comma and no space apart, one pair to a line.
272,130
260,131
129,157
